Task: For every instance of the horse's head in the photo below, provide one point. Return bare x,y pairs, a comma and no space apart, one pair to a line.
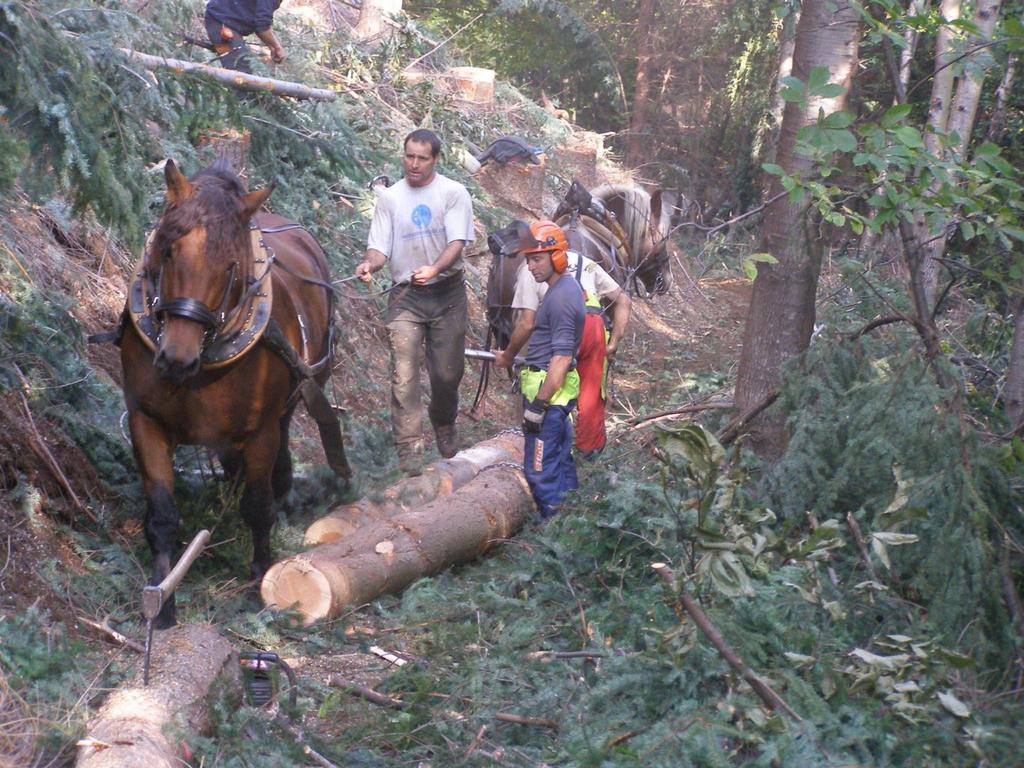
198,261
653,267
577,199
505,244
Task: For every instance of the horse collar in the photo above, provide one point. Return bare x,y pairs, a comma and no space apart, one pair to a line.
235,332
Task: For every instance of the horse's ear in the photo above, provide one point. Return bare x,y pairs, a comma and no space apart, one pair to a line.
252,201
178,186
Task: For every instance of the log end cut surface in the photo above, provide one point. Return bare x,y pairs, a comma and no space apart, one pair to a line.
297,584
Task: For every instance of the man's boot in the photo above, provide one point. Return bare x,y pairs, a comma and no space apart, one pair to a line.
447,440
410,458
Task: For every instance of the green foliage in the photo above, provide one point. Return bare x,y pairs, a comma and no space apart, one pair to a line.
519,40
873,440
53,673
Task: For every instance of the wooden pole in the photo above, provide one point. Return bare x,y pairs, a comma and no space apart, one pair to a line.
390,555
233,78
134,725
439,479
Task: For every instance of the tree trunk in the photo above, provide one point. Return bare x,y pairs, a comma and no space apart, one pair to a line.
1013,392
787,42
997,125
373,16
938,119
388,556
959,118
638,144
135,725
440,479
910,37
781,314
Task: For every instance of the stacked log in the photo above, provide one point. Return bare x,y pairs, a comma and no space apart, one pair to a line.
439,479
387,556
134,726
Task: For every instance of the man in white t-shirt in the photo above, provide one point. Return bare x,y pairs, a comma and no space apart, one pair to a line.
419,229
599,289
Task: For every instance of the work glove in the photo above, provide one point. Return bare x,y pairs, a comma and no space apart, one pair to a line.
533,416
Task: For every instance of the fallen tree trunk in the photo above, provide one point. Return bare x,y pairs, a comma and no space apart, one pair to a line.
390,555
233,78
439,479
132,728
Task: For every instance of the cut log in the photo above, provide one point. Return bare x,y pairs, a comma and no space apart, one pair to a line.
388,556
135,725
233,78
439,479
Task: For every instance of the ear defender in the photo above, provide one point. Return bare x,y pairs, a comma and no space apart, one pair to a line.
559,261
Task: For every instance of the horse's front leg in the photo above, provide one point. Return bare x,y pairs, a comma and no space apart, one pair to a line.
154,453
260,454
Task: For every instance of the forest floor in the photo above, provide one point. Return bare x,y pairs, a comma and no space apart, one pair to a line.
680,346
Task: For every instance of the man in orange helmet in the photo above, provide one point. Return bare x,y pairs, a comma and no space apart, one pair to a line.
601,294
548,378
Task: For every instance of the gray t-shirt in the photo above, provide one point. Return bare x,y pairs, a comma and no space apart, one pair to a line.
559,326
413,225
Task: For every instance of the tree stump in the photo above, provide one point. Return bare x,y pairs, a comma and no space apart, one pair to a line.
578,157
373,18
516,185
473,86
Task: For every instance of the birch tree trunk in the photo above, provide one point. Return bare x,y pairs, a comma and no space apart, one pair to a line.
781,315
1013,392
787,42
948,114
910,37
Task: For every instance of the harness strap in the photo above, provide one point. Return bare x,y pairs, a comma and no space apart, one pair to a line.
274,338
313,396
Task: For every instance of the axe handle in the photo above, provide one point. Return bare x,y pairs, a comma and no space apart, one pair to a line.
173,579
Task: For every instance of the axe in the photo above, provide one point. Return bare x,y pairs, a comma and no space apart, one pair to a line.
153,598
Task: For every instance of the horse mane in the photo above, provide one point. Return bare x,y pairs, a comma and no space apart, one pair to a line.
635,216
216,203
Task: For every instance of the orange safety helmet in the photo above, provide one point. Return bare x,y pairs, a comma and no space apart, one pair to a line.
548,237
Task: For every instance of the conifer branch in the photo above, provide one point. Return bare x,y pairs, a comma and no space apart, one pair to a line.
761,688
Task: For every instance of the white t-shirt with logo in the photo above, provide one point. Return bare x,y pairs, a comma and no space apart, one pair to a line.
413,225
593,279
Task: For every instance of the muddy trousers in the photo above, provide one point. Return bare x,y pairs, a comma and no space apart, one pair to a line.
426,323
233,53
590,432
547,459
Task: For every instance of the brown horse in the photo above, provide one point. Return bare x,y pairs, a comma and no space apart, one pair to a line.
231,318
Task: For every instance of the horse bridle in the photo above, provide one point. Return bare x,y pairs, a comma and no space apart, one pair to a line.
213,322
194,309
